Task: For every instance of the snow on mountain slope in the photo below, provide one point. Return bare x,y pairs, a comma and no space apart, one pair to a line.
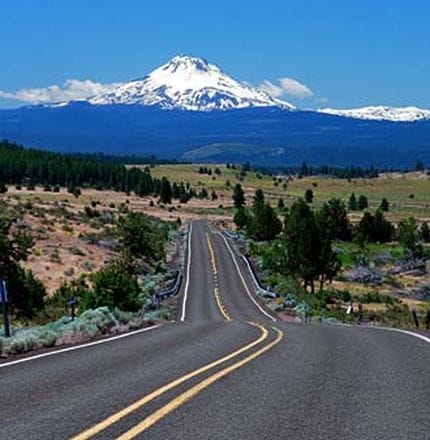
382,113
189,83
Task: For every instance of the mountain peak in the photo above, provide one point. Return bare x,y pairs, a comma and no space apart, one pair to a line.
382,113
186,61
189,83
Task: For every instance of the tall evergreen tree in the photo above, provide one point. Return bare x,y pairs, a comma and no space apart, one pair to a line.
363,203
241,218
165,191
308,252
384,206
408,236
302,244
309,196
383,229
263,223
334,217
352,203
364,232
425,232
238,196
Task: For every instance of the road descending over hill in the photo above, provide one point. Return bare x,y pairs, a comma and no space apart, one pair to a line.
225,369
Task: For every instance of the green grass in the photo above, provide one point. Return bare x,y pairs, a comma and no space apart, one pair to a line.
348,252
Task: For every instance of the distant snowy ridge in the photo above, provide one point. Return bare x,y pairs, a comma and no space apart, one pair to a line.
189,83
382,113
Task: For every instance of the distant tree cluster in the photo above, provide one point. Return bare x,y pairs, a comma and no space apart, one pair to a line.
260,221
30,167
341,173
209,171
374,229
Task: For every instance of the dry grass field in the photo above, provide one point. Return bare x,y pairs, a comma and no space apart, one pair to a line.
407,193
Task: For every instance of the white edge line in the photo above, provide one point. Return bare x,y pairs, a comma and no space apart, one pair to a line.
243,281
78,347
254,279
187,281
398,330
388,329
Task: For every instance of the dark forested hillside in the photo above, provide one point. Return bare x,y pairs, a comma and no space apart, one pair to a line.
263,136
19,165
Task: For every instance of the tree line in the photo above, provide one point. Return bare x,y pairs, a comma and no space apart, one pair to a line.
29,167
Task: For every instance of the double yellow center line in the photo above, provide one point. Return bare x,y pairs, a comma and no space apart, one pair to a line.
221,307
185,396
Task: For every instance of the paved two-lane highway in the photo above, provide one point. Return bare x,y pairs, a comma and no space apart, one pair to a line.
224,370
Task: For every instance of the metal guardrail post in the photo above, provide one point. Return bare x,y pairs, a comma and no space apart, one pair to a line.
415,318
4,300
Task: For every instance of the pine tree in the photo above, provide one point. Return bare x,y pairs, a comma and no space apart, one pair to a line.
165,191
263,224
364,232
383,229
258,202
425,232
384,206
363,203
302,244
238,196
408,235
352,203
307,252
203,194
241,218
309,196
334,217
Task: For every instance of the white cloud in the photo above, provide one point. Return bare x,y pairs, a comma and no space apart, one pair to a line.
321,100
271,89
72,89
286,86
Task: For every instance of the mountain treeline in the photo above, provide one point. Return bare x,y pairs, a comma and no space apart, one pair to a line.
349,172
19,165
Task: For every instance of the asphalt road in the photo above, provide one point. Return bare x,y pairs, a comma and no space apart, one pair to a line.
219,375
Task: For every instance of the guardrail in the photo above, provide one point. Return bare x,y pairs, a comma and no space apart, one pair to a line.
264,291
164,294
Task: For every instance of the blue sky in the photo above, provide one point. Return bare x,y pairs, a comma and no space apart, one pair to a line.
348,53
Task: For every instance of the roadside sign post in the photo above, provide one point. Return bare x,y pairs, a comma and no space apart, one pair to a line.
5,303
72,304
415,318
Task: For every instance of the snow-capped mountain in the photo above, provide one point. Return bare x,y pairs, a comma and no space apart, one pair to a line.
382,113
189,83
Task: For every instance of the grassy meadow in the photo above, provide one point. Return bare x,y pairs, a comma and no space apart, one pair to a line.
407,193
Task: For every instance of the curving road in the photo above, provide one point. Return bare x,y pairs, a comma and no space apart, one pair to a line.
225,369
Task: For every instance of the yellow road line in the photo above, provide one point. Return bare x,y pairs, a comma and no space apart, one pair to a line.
114,418
193,391
217,294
